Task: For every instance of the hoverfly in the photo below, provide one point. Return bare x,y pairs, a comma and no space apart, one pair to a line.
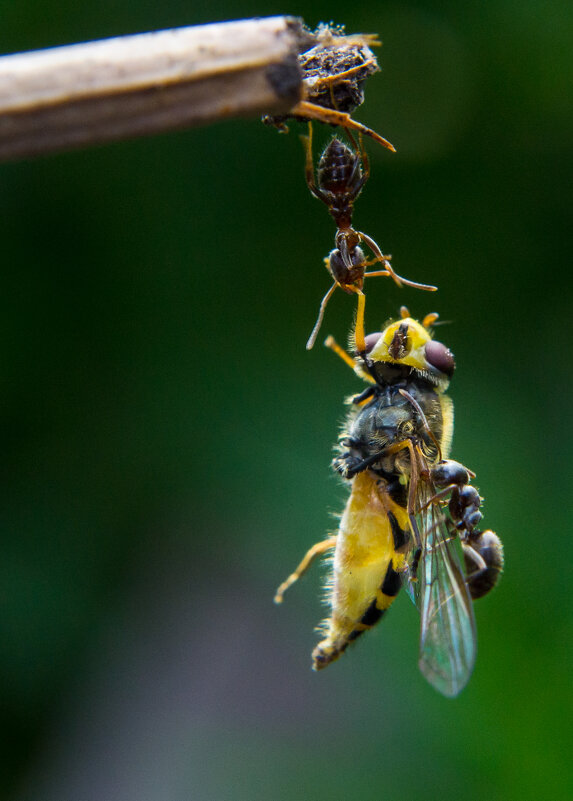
340,177
334,68
410,509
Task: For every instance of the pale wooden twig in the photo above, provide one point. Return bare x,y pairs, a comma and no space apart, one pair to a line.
129,86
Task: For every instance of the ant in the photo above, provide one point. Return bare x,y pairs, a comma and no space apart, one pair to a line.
340,177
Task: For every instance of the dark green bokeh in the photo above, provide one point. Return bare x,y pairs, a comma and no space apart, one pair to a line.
167,438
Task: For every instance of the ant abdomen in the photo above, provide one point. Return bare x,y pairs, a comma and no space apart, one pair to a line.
339,170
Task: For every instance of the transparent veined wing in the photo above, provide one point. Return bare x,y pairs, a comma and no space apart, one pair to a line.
448,642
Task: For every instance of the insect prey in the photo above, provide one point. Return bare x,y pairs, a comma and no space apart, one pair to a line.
413,517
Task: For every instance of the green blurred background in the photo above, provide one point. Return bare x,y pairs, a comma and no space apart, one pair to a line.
166,438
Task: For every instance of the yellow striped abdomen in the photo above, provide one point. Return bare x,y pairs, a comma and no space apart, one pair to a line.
366,565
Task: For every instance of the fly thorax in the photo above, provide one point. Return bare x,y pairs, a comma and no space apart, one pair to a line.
389,374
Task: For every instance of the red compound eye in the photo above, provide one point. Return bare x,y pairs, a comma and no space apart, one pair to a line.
371,340
440,357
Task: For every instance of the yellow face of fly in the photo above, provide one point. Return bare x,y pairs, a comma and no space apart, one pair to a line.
403,342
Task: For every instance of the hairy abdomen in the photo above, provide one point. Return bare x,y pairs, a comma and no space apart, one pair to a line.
368,559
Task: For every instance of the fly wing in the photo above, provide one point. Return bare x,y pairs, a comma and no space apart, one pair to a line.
448,633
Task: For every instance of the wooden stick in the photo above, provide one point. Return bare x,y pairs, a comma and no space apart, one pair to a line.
90,93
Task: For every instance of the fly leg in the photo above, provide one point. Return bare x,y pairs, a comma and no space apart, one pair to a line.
464,505
483,550
317,550
349,464
483,558
418,472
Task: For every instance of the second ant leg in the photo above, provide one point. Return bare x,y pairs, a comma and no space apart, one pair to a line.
316,329
395,277
304,108
309,166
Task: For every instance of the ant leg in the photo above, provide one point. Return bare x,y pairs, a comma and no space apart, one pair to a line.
306,109
376,260
380,257
316,329
360,149
359,335
364,157
395,277
416,284
370,262
376,273
310,556
363,160
309,166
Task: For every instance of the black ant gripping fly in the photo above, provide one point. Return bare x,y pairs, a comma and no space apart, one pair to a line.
340,177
